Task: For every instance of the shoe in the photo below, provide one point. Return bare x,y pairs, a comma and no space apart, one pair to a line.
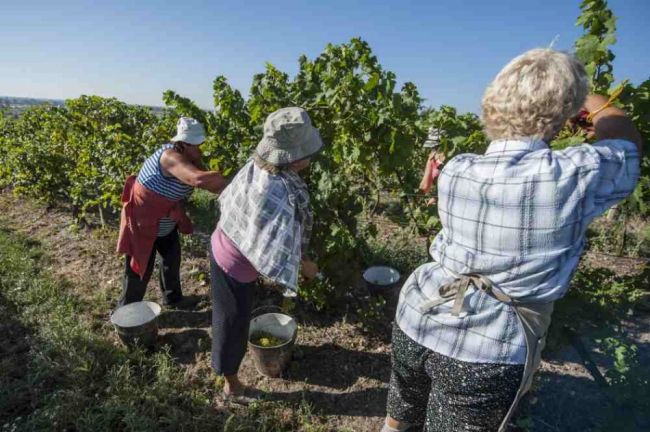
183,303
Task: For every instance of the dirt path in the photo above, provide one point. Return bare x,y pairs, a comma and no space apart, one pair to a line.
340,370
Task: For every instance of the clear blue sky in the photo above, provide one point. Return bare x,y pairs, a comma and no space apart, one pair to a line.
134,50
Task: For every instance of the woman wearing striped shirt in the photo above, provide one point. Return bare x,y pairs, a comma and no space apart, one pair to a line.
153,212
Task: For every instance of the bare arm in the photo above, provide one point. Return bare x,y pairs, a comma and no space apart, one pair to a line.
175,164
308,268
612,122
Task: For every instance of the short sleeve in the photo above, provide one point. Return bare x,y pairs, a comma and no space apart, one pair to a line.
618,171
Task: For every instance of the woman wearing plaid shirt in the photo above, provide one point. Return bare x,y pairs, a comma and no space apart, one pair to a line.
264,229
513,229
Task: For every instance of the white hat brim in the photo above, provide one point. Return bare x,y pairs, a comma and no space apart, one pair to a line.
190,139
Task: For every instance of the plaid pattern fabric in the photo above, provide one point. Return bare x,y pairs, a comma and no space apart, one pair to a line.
269,220
518,215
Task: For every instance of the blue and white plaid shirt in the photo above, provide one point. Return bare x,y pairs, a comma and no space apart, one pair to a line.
518,215
269,219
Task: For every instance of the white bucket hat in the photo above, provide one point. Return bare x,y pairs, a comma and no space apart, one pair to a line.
189,131
288,137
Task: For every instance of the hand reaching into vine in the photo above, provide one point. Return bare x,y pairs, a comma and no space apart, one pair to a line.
431,172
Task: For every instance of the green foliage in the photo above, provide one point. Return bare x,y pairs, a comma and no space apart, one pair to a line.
229,135
203,208
371,131
597,298
6,132
399,250
372,313
592,48
568,137
625,360
36,155
80,153
629,385
317,293
602,288
459,133
109,140
636,102
628,237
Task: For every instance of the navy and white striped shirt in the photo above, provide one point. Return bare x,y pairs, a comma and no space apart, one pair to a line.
517,214
151,177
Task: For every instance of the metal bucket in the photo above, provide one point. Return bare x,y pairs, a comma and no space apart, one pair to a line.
381,279
137,323
271,361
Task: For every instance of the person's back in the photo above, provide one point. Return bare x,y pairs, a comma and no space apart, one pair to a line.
152,215
264,229
470,326
152,177
519,213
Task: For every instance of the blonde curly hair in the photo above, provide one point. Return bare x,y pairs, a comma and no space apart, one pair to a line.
534,95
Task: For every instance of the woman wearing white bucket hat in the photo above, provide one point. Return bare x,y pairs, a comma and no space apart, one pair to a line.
264,229
152,214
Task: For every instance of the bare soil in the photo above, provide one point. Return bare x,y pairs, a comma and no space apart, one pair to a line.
341,369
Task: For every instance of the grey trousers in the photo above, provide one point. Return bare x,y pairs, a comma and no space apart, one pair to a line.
232,305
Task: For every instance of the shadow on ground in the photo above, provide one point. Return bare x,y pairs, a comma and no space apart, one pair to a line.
15,393
330,365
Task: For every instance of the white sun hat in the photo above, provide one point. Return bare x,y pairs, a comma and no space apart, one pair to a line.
189,131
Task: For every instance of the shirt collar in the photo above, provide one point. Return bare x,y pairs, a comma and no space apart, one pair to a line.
516,145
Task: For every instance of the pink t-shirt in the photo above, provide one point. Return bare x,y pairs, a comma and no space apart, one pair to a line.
230,259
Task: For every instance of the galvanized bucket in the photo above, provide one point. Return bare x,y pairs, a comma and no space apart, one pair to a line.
137,323
381,279
271,361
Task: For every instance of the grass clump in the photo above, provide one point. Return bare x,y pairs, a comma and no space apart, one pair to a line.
57,374
60,371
